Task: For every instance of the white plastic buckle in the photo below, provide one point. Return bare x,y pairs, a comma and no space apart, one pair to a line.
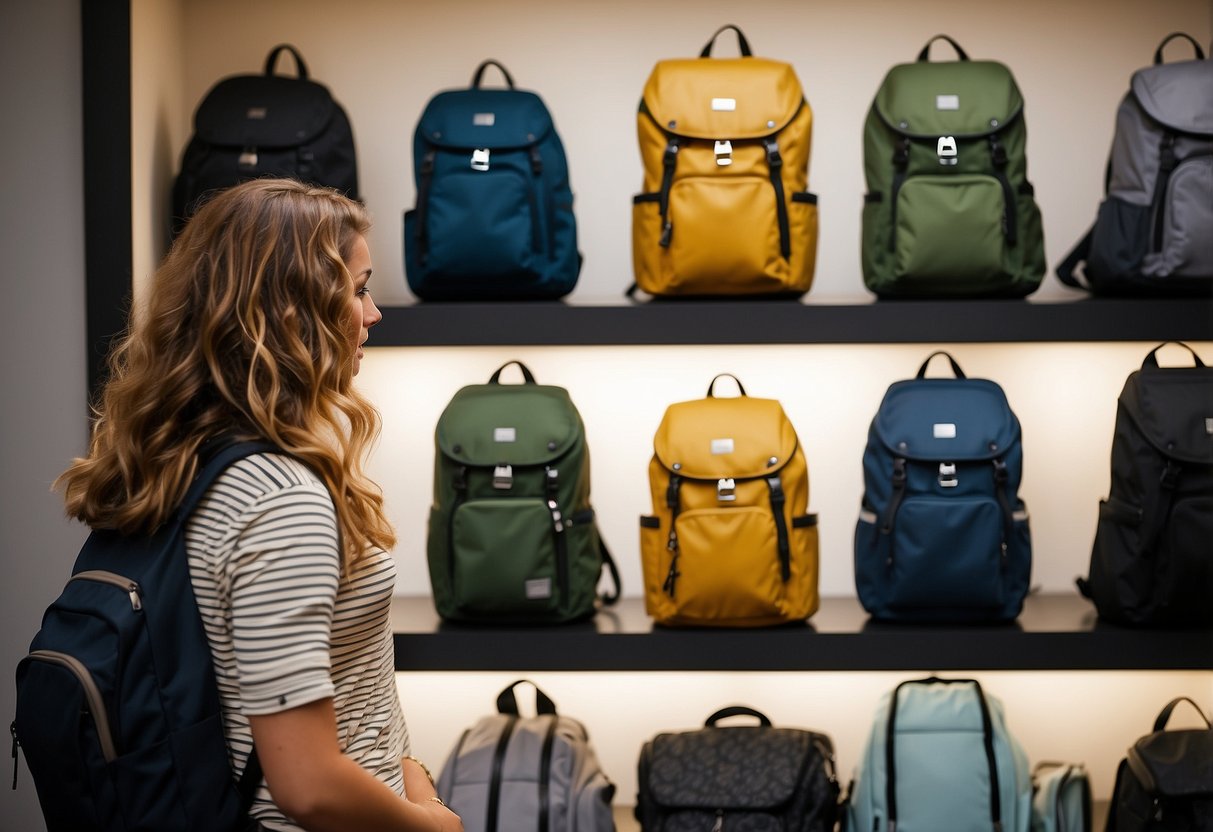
480,158
724,153
503,477
248,158
947,475
945,148
726,490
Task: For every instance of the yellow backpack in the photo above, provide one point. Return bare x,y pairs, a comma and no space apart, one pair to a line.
730,542
725,208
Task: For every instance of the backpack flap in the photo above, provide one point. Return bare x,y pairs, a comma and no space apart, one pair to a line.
946,419
263,111
492,424
1174,763
715,438
491,119
961,99
722,99
1178,95
1173,409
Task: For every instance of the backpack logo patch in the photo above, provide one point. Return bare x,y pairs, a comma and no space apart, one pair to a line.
1209,426
722,446
505,435
539,588
944,430
724,105
947,102
484,119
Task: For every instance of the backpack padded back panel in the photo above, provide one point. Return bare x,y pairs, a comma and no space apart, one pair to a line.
494,212
942,534
954,764
949,210
252,126
1152,560
1152,230
724,208
730,541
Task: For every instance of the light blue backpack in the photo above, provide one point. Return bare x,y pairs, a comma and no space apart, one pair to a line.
1061,798
940,758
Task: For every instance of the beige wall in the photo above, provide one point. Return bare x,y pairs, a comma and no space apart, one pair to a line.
384,59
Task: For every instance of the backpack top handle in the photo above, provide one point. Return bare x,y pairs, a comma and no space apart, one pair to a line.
272,59
479,75
924,55
527,376
1161,722
712,385
737,710
507,702
1200,53
1151,360
742,43
922,371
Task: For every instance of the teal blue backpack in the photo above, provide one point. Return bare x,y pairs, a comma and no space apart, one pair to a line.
940,757
494,213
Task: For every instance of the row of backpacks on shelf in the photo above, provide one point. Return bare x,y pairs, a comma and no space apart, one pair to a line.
942,534
940,755
725,208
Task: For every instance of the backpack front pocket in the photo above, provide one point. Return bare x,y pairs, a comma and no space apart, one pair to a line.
726,566
482,226
947,553
1181,246
505,557
950,233
1186,561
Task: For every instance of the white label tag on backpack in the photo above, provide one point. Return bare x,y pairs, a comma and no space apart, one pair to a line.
484,119
538,588
724,105
947,102
944,430
504,435
1209,426
722,446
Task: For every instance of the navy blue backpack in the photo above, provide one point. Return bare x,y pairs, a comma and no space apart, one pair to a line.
942,534
494,213
118,710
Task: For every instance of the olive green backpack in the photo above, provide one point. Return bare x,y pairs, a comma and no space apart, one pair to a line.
949,210
512,536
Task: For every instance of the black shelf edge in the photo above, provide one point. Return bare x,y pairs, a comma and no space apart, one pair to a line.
792,322
1054,632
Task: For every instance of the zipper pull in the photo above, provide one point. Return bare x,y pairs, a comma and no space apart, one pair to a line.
136,600
672,576
12,729
719,825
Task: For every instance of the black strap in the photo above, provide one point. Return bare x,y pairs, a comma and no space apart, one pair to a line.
1067,267
250,781
527,376
712,395
608,563
781,528
507,702
272,59
545,776
1165,715
924,55
476,79
742,43
737,710
1167,163
922,371
675,504
669,160
425,181
1151,360
1200,53
775,169
503,743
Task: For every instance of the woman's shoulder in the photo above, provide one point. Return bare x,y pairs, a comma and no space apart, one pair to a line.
267,476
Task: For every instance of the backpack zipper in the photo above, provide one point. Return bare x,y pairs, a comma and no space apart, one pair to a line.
92,695
113,579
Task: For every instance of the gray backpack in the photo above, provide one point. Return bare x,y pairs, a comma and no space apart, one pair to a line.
510,773
1151,234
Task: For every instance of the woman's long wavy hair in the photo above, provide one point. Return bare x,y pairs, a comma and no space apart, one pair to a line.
245,334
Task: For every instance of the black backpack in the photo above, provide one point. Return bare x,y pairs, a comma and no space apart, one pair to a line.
1165,781
1152,561
738,777
251,126
118,710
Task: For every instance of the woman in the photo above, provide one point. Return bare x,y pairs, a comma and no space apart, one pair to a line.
254,329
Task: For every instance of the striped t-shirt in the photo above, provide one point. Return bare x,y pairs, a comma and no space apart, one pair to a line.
285,626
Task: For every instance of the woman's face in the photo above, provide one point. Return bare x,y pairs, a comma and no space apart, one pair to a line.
364,314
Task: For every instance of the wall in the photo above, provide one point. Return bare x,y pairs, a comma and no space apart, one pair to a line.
43,409
589,61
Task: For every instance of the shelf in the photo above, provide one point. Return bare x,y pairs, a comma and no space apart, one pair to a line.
792,322
1055,632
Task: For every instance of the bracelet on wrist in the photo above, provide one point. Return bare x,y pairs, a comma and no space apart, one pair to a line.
424,768
437,800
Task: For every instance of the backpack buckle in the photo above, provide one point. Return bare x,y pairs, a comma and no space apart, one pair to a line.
947,475
945,149
247,158
480,158
503,477
726,490
724,153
